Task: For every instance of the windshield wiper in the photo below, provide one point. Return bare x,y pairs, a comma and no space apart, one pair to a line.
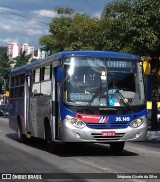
98,92
126,103
93,97
100,89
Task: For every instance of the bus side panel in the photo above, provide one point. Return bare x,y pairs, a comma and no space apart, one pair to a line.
32,120
40,108
44,114
16,109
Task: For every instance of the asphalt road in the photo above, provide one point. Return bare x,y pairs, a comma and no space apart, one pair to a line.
15,157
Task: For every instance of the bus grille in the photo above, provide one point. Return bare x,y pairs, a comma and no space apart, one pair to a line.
99,137
109,126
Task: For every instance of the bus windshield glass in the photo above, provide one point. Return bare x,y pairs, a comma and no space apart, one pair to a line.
103,82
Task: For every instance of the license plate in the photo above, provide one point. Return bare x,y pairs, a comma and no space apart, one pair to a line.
108,133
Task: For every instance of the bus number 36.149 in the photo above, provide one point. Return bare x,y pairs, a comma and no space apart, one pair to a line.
122,118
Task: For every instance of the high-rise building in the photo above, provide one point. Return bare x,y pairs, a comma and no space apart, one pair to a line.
24,47
40,54
13,50
28,49
31,51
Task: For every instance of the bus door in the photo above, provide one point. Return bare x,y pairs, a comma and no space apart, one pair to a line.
31,108
35,104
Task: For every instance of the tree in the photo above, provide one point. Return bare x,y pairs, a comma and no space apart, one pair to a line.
72,31
22,59
5,66
4,70
133,27
130,26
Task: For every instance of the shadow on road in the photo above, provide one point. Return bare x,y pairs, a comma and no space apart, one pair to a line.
75,149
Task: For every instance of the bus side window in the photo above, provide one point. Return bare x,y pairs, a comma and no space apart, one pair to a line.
11,92
46,81
17,80
36,83
22,78
33,76
12,81
37,75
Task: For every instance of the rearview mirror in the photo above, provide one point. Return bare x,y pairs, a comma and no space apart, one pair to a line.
128,94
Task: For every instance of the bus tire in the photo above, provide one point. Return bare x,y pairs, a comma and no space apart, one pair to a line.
20,136
49,144
117,147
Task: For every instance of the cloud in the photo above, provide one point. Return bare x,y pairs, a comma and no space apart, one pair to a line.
6,41
97,15
5,27
29,27
21,30
26,21
46,13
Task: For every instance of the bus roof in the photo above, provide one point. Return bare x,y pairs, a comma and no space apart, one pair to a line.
100,54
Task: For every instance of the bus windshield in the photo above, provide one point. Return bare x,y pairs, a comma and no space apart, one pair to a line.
103,82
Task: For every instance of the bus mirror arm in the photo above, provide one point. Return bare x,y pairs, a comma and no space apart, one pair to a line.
59,74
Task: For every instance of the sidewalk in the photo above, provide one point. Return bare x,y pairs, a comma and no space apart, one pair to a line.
153,135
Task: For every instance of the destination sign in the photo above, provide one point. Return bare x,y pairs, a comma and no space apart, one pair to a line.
104,63
119,64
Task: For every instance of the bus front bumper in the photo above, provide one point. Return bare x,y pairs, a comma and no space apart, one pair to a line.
69,133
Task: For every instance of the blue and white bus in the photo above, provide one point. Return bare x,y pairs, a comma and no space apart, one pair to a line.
80,96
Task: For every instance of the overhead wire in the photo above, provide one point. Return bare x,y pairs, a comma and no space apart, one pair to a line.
18,20
26,12
23,16
17,12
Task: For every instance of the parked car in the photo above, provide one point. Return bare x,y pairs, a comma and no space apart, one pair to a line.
4,111
149,116
158,115
1,113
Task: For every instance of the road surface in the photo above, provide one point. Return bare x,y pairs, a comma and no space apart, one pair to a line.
140,157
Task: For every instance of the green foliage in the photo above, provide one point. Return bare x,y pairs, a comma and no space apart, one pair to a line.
4,68
3,50
64,11
130,26
73,32
22,59
133,26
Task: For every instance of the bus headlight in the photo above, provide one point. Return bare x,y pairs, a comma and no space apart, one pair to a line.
75,122
136,123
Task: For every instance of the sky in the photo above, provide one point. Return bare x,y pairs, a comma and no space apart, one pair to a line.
25,21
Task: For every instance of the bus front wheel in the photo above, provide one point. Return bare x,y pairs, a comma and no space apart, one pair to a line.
50,145
117,147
